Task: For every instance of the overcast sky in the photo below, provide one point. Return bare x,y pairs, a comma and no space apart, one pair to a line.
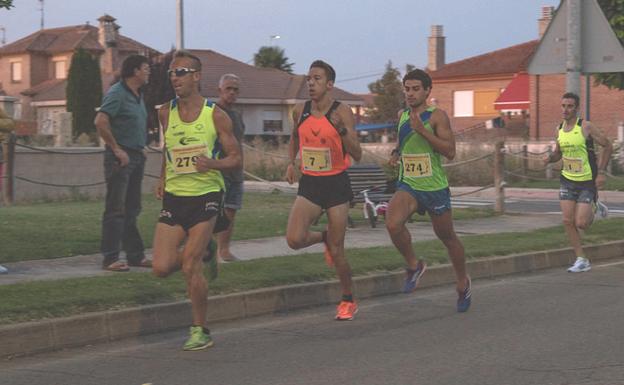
357,37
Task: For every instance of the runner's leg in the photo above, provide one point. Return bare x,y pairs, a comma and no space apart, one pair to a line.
302,214
568,210
193,268
401,207
166,257
336,229
443,228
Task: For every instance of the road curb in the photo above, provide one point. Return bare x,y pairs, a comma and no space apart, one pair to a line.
48,335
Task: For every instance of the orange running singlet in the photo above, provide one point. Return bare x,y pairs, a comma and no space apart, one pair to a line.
320,146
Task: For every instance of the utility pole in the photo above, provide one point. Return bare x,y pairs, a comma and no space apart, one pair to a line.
180,24
573,47
41,9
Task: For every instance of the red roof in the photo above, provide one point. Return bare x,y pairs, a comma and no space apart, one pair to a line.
257,83
66,39
516,94
508,60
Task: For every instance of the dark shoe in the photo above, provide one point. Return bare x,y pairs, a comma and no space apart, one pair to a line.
229,258
412,277
117,266
464,298
144,263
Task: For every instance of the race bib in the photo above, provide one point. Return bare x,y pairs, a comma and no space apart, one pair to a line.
573,165
417,165
316,159
184,158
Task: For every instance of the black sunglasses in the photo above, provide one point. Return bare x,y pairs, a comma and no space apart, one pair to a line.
180,71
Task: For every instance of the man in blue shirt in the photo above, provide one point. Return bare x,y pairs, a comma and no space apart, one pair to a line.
121,122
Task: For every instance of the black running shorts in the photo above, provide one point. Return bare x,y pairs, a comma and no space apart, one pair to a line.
326,191
189,211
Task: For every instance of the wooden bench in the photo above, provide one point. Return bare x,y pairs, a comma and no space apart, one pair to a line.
368,176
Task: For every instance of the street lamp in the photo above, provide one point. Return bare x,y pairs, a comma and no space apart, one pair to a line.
273,37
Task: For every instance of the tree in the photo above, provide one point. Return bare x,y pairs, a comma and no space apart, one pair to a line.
6,4
614,12
83,92
388,98
272,57
158,89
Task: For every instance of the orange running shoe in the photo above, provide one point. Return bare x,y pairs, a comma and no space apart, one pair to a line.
346,310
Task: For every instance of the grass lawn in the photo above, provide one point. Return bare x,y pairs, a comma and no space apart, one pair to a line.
53,230
37,300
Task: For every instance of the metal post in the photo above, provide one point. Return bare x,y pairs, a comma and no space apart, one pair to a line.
499,176
573,47
549,171
9,167
179,24
587,95
525,161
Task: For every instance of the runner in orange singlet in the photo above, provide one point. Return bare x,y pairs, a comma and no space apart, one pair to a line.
324,138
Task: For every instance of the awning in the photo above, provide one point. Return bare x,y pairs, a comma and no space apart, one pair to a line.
516,95
374,127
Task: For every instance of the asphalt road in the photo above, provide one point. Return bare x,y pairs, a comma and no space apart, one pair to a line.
547,328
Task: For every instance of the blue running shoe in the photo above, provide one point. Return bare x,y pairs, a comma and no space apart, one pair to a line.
413,276
465,298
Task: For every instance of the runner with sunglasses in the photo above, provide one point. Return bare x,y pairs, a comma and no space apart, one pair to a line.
191,185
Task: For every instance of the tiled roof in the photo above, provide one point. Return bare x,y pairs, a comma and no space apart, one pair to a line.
64,39
257,83
53,89
508,60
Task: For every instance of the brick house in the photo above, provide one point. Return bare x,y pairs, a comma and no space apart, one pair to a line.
34,69
496,85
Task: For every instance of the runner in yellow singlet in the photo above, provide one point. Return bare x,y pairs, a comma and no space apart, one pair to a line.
191,185
581,174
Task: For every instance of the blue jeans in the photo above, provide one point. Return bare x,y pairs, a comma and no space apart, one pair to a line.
123,205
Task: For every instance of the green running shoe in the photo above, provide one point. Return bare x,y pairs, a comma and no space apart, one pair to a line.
198,339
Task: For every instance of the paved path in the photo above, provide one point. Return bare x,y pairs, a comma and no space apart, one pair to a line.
360,237
544,328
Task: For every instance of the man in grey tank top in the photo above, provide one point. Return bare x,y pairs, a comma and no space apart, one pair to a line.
229,88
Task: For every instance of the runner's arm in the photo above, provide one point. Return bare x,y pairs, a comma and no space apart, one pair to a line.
555,156
443,141
349,136
232,159
293,145
163,118
603,140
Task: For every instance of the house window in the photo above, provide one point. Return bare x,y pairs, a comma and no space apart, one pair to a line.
60,69
475,103
272,121
484,102
463,103
16,71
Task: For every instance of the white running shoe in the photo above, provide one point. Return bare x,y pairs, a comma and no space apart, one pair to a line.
602,209
580,265
3,270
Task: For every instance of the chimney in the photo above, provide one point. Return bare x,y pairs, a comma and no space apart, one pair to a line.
436,50
107,37
542,23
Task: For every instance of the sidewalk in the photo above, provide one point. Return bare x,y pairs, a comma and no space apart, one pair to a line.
359,237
